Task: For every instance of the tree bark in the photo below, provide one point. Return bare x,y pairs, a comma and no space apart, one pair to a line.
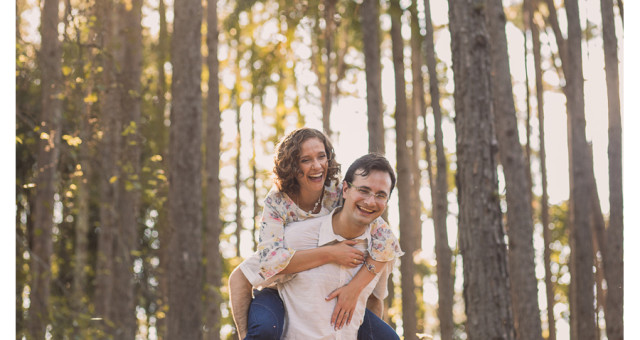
613,249
185,214
407,226
369,14
580,192
213,280
110,106
46,171
439,192
329,12
544,200
126,236
486,276
524,290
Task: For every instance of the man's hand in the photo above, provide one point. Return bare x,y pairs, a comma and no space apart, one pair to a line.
345,254
347,298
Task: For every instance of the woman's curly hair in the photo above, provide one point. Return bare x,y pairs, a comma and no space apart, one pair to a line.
288,155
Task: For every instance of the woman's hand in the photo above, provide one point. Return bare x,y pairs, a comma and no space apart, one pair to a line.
347,298
344,254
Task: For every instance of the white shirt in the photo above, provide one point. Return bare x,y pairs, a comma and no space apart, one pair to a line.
308,315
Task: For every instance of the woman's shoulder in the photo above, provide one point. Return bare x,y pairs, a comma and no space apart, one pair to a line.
275,197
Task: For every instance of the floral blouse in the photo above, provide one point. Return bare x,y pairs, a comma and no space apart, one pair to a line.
280,210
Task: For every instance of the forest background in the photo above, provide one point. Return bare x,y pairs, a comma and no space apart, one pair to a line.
348,117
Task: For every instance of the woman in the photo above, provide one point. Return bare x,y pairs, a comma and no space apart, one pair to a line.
306,185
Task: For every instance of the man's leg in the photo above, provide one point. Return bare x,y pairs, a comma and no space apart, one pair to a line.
266,316
373,328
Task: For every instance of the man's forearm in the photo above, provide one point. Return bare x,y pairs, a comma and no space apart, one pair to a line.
240,298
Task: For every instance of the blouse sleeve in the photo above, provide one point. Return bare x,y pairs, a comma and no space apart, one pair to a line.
384,244
274,254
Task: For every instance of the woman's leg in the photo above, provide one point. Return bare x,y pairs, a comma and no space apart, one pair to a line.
373,328
266,315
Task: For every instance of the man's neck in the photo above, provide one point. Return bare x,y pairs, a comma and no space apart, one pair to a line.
345,229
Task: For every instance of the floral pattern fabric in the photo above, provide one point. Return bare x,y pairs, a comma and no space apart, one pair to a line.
280,210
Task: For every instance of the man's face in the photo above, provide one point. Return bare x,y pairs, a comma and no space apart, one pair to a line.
366,197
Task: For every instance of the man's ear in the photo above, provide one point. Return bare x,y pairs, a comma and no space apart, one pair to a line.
344,187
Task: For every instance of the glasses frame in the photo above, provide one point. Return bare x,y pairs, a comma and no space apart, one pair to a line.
365,193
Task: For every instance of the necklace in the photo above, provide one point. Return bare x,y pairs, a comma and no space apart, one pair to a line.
315,206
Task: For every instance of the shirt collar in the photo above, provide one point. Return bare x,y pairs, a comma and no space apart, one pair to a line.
327,236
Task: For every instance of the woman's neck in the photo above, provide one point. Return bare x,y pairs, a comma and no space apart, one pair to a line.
308,201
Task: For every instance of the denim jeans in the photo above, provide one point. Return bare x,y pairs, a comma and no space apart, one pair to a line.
266,320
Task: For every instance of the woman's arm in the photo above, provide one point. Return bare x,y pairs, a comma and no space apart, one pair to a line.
342,253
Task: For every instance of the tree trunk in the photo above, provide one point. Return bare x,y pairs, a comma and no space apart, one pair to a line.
417,108
213,280
47,164
185,187
407,227
238,173
544,200
369,14
613,249
329,12
110,148
439,192
524,289
486,277
580,192
125,239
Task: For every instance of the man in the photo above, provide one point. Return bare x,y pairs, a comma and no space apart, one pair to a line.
368,183
366,189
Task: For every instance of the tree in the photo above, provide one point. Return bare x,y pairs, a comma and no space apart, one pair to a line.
439,191
524,290
544,199
126,232
486,276
46,172
185,214
613,249
213,226
580,192
403,168
369,15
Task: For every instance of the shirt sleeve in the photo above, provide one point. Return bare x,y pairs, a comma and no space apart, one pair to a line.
274,254
384,244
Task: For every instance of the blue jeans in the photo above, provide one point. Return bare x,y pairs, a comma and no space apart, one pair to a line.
266,320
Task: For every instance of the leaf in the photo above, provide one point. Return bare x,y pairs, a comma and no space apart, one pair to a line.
18,140
113,179
66,70
156,158
44,135
91,98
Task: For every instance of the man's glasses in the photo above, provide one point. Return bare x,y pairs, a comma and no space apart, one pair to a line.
365,193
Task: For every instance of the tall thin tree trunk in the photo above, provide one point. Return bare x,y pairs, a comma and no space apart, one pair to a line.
581,186
329,12
417,108
407,226
544,200
110,148
47,164
439,192
185,187
213,226
125,241
369,14
486,276
238,175
613,249
254,175
524,289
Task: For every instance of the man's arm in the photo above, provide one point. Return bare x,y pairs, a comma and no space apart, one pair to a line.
240,299
375,305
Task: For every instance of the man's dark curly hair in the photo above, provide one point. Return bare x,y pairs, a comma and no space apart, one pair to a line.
288,155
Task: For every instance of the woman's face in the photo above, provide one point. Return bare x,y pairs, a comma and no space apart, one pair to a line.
312,162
